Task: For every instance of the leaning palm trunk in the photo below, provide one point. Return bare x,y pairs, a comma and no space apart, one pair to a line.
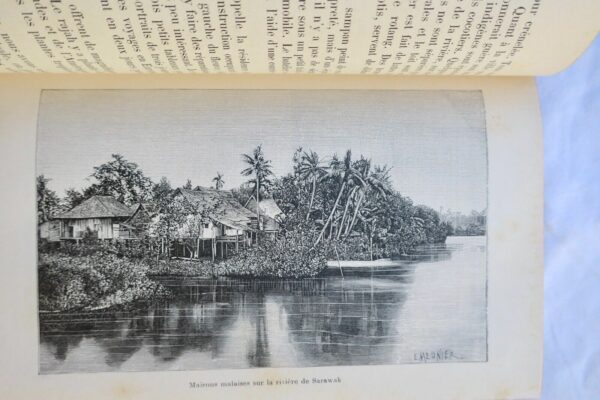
312,197
356,210
333,222
350,198
371,234
346,228
257,205
330,218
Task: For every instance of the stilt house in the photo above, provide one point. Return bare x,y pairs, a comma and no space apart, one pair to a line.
226,225
102,217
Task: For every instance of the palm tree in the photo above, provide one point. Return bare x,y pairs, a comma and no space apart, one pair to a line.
339,169
311,169
218,180
260,169
358,181
377,182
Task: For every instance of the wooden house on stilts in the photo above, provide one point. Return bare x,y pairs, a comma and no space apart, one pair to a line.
222,225
102,217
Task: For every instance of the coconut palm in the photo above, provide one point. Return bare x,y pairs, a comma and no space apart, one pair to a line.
340,169
260,169
358,182
311,169
218,180
376,181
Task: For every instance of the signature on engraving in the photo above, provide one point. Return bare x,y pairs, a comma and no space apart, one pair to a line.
435,356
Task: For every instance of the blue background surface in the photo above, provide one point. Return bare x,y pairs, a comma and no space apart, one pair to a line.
570,104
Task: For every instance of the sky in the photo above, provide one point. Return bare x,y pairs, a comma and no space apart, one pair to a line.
435,141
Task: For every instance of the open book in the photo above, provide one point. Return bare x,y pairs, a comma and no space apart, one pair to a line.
275,199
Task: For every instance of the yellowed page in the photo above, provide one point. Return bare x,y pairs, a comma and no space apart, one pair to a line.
417,37
514,258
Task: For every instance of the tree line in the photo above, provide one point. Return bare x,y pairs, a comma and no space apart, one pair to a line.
344,204
352,207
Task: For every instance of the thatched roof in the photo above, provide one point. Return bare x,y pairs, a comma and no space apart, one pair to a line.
140,207
270,213
268,207
224,207
98,207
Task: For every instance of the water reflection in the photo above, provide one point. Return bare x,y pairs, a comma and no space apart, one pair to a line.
231,323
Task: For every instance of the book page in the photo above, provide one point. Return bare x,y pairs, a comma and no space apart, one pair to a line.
234,288
412,37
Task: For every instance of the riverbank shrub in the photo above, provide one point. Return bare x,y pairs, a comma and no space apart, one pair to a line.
67,282
291,254
139,249
196,268
355,248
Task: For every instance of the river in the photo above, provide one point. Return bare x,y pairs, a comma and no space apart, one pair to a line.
430,309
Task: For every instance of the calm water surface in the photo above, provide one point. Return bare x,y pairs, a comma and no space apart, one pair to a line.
431,309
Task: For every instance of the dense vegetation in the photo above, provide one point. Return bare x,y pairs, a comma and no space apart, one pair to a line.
341,207
353,208
98,280
347,205
290,254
